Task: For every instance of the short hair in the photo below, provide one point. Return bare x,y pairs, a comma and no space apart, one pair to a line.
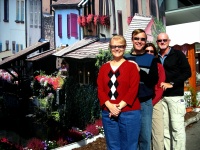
154,48
118,38
137,31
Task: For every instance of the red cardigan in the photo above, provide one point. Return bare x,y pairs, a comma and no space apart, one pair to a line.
128,83
158,90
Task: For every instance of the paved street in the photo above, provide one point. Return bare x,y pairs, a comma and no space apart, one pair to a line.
193,136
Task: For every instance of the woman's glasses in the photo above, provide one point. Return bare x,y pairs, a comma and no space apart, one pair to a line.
162,40
141,39
149,51
117,46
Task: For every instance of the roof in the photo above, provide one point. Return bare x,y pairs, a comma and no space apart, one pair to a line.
184,33
24,52
184,15
89,51
41,55
138,21
66,2
79,44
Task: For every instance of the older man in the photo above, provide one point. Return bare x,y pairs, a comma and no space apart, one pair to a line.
177,70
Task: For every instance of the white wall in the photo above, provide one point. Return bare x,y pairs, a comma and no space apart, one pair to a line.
11,30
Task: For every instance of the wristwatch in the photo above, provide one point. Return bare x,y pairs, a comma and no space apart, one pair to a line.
172,83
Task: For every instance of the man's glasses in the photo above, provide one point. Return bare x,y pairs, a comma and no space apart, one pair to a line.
141,39
115,46
149,51
162,40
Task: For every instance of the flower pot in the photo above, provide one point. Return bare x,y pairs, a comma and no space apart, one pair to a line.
189,109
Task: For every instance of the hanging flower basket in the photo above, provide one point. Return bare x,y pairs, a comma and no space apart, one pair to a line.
90,18
79,20
96,20
105,20
129,19
84,21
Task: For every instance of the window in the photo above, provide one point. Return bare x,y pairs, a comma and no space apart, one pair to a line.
22,11
0,47
13,47
31,14
7,45
60,26
114,17
6,10
19,47
74,28
68,26
35,15
19,11
120,24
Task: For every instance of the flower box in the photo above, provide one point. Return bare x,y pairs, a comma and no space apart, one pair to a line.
80,143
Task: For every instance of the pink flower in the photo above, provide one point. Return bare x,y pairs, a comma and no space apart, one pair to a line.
90,18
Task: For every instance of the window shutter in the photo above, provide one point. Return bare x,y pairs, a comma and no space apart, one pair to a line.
17,48
60,26
0,47
74,28
68,26
21,47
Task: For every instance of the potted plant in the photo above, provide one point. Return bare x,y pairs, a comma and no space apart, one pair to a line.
191,99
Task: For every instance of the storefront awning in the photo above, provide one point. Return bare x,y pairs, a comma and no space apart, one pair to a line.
89,51
41,55
187,33
24,53
77,45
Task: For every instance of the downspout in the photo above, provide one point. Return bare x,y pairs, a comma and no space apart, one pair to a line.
26,23
80,3
54,22
79,26
84,3
41,36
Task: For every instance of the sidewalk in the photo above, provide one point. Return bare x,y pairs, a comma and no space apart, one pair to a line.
191,117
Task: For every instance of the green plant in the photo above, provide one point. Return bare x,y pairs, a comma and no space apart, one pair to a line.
191,98
103,57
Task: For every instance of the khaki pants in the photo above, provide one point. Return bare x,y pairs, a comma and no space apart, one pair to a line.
158,127
174,129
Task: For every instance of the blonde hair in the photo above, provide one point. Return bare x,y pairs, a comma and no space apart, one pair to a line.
119,38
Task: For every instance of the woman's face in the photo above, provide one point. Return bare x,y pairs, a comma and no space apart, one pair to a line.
149,50
117,48
139,41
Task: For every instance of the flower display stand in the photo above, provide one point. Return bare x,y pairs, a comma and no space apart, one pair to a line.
80,143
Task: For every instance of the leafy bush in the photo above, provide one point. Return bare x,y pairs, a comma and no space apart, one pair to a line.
82,105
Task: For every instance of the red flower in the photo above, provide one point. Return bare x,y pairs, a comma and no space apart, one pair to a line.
84,21
105,20
80,20
96,20
90,18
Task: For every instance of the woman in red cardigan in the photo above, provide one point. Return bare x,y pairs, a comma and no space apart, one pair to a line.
118,82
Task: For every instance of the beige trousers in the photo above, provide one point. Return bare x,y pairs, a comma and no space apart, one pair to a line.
158,127
174,128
